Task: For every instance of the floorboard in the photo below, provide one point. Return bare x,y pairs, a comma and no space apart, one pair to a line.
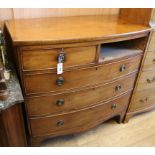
139,131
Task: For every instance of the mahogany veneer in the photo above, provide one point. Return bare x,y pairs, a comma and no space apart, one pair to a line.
143,97
96,84
12,129
78,29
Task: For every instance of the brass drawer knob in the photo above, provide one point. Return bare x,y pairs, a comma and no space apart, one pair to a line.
60,123
118,87
114,106
144,100
60,102
150,80
122,68
60,81
61,57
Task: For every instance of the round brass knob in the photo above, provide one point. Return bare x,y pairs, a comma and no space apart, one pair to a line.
60,81
144,100
122,68
118,87
150,80
60,123
60,102
114,106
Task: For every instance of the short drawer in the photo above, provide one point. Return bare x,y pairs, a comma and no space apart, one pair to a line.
142,100
146,80
51,104
77,78
151,46
48,58
78,120
149,61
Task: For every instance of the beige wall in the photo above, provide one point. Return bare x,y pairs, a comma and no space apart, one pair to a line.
35,13
10,13
6,14
30,13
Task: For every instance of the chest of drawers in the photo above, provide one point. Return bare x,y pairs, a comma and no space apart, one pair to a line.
100,65
143,98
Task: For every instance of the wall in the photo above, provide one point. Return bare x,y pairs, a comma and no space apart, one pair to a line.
35,13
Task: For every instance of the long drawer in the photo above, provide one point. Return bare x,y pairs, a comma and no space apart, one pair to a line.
149,61
79,120
77,78
143,99
146,80
39,59
50,104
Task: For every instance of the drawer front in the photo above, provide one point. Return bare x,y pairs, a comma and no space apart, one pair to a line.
146,80
79,120
149,61
151,46
45,105
40,83
44,59
143,99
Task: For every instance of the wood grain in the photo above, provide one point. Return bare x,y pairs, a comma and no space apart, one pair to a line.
111,134
46,82
151,46
149,63
78,121
153,15
12,129
73,57
136,15
67,32
142,100
147,80
47,104
70,29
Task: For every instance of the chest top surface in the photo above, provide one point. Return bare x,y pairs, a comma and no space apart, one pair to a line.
70,29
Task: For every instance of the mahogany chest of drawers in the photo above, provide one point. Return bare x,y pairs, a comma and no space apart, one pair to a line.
101,57
143,98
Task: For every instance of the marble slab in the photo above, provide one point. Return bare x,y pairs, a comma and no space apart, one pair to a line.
14,90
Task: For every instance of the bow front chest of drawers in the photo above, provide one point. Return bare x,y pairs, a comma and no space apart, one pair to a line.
101,56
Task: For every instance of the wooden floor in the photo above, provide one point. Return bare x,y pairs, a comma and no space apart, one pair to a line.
139,131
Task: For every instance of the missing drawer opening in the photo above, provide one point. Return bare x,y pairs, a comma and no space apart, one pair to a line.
118,50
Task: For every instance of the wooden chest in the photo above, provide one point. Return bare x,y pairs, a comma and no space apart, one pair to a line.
101,61
143,98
